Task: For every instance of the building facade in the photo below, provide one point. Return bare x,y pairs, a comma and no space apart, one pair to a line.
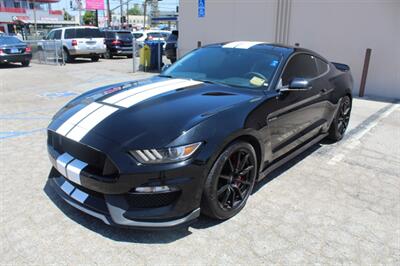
18,17
339,30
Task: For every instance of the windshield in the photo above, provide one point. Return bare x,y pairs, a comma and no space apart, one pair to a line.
249,68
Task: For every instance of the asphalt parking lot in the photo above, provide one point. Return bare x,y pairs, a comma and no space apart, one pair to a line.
334,204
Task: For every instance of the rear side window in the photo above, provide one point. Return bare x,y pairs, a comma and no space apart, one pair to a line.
322,66
57,35
300,66
83,33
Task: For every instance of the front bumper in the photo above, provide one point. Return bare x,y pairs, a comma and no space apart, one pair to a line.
11,58
115,201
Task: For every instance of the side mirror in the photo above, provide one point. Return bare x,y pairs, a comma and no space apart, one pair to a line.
297,84
165,67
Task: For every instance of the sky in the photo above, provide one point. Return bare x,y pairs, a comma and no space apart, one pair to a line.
164,5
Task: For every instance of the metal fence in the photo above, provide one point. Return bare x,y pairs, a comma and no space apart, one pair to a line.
49,52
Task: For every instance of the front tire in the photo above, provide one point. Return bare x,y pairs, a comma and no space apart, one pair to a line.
341,120
108,54
95,58
230,181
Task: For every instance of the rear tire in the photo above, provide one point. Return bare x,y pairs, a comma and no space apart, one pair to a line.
67,57
95,58
230,181
26,63
341,120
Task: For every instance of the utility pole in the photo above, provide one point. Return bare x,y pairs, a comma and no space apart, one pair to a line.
108,13
34,18
120,10
144,13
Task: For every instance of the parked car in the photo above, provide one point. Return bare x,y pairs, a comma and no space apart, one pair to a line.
82,42
155,153
118,42
13,50
171,45
151,35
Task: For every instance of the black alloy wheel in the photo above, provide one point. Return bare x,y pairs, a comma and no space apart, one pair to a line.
230,181
341,121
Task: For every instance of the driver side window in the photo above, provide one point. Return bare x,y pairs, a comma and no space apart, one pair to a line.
50,36
300,66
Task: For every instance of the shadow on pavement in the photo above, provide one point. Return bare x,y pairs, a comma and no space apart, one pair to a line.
11,65
277,172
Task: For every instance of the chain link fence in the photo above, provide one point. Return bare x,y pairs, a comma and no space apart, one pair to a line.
49,52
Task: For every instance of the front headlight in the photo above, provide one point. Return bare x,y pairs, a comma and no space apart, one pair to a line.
168,155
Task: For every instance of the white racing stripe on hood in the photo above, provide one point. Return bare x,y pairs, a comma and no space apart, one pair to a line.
124,94
130,101
240,45
92,120
77,117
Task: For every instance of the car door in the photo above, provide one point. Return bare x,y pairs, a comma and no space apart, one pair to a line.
299,114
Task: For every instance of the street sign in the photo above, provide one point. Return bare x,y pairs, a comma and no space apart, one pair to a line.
201,11
94,4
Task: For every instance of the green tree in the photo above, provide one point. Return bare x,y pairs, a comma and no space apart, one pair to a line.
67,16
135,10
89,18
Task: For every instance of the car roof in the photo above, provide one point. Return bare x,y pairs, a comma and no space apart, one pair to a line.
76,27
276,47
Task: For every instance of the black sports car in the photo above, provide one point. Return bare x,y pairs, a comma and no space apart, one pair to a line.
155,153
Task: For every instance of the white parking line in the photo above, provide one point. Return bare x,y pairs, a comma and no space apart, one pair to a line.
354,140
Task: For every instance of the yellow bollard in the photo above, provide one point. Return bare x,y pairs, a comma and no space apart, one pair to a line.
145,56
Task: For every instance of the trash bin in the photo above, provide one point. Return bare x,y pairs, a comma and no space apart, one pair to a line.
145,56
156,52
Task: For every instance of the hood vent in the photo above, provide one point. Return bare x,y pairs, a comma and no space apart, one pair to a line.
218,93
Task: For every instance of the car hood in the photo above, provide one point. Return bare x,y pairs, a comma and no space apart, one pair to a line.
148,113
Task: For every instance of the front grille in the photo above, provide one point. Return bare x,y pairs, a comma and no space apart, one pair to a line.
152,200
98,162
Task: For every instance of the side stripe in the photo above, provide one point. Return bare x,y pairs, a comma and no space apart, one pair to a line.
77,117
87,124
130,101
122,95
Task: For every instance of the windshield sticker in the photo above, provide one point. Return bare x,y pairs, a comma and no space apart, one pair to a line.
274,63
256,81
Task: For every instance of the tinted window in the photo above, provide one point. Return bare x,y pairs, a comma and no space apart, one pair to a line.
83,33
250,68
154,34
124,35
10,40
172,38
322,66
57,35
137,35
50,36
300,66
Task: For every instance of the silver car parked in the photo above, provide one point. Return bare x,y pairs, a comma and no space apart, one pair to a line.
82,41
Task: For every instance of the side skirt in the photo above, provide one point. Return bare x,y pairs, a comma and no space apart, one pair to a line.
290,156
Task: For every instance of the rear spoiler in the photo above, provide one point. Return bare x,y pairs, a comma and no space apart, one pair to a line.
341,67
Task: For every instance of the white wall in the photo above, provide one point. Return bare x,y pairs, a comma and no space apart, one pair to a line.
342,30
338,29
225,20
